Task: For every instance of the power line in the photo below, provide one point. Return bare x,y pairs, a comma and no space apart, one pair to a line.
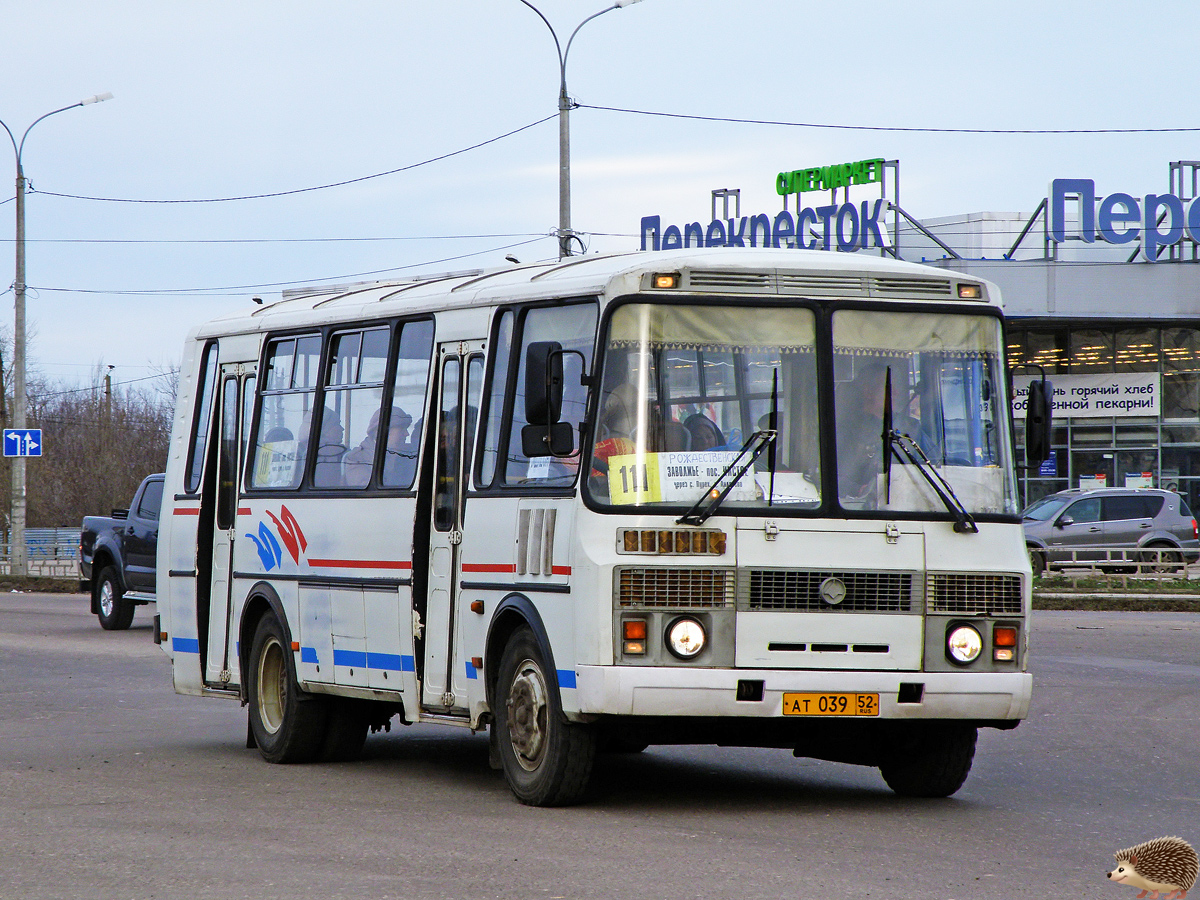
100,387
319,187
741,121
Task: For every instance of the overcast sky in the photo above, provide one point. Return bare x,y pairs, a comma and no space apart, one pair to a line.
228,99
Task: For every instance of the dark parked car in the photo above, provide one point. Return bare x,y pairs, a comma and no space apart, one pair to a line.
118,556
1108,526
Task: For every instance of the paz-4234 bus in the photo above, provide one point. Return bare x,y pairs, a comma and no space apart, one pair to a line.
738,497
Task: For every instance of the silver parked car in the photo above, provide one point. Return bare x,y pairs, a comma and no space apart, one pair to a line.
1089,527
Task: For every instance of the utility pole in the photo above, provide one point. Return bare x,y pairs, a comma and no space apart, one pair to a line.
565,103
19,563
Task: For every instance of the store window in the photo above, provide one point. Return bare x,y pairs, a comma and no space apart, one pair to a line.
1181,374
1091,351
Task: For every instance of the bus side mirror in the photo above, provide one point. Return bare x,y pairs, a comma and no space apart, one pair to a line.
1038,409
545,435
552,440
543,383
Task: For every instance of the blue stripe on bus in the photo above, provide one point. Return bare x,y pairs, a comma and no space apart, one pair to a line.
308,654
350,658
392,662
185,645
566,678
389,661
472,672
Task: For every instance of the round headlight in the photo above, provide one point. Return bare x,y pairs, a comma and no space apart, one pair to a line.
686,638
964,644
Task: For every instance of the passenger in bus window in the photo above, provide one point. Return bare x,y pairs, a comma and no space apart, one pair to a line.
705,434
400,456
614,433
860,434
330,449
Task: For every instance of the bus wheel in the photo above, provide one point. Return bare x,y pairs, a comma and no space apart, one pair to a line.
288,724
112,609
547,760
934,762
345,730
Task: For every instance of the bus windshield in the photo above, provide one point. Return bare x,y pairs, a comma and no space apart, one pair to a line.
685,387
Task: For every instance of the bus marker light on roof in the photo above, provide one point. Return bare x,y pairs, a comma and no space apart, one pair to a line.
666,281
970,292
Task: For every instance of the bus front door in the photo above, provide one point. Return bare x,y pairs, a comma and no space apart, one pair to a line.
460,377
235,395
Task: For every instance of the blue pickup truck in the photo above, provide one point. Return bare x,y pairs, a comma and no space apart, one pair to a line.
117,556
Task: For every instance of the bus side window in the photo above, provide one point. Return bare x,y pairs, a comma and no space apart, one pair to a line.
288,392
493,425
405,418
574,327
350,419
203,418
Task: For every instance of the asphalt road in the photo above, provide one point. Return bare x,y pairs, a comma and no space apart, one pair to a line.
111,786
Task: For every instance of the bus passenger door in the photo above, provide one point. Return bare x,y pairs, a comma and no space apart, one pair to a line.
235,398
460,367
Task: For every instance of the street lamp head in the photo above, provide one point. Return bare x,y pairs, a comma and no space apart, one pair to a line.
621,4
100,98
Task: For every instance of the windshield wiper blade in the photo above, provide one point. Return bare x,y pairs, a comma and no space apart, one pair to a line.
714,495
963,523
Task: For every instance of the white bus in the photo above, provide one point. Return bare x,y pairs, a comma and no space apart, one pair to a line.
739,497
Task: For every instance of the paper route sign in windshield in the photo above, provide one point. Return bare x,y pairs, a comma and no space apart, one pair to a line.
675,477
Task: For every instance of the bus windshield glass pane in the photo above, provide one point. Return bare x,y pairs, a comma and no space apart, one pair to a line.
947,381
685,387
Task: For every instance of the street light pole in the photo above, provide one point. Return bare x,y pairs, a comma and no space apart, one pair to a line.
19,564
565,235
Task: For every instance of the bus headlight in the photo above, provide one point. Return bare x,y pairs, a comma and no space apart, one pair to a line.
686,637
963,644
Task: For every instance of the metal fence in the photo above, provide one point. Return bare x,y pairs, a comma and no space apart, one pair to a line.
51,552
1159,564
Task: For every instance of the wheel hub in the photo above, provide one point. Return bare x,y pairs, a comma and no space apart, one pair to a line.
527,712
272,686
106,599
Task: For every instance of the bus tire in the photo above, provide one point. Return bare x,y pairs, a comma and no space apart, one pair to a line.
933,762
345,730
288,724
112,609
547,760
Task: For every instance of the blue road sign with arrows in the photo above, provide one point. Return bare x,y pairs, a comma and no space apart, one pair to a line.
22,442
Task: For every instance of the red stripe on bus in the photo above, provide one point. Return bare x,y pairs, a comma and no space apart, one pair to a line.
560,570
489,567
244,511
186,511
360,563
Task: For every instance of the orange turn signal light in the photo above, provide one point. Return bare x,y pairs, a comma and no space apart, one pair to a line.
1004,636
634,629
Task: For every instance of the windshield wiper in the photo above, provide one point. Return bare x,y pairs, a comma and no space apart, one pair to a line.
893,440
963,523
714,495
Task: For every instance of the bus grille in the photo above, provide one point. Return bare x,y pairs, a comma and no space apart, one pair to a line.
800,591
675,588
974,594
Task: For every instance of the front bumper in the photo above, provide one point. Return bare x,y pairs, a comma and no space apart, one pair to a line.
679,691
